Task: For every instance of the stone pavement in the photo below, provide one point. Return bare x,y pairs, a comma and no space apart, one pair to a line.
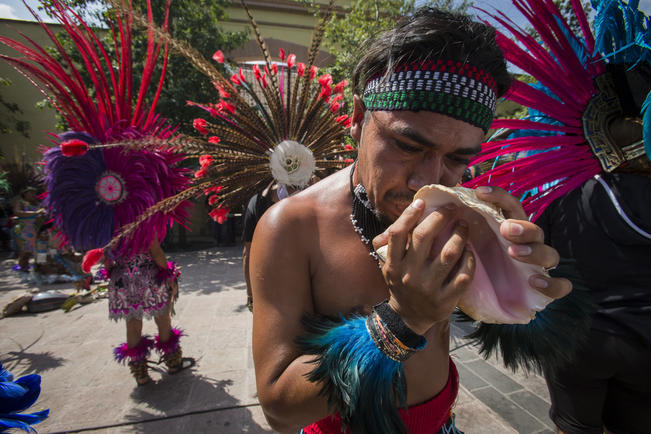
86,391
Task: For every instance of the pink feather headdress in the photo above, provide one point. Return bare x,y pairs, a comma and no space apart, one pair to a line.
109,168
566,65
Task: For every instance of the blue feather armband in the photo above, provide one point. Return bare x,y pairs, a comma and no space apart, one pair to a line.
360,381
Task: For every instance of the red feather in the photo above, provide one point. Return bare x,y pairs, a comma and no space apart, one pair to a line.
74,148
91,258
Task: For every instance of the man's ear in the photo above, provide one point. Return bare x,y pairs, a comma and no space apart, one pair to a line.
358,118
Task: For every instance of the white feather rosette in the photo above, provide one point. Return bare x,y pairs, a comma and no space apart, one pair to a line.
292,163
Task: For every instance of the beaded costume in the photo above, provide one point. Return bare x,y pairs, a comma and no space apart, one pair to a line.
134,291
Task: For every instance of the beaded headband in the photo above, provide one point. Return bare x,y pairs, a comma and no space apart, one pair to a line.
452,88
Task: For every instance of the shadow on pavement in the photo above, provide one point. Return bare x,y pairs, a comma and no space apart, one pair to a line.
213,408
211,270
32,362
241,308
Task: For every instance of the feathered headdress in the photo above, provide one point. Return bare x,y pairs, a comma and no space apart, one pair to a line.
105,171
564,141
276,121
577,94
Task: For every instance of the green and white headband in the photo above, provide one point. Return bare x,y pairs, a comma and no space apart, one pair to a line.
458,90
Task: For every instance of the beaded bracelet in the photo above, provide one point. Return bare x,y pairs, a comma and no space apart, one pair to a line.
391,335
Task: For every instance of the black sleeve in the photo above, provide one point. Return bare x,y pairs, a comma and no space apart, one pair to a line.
251,218
543,221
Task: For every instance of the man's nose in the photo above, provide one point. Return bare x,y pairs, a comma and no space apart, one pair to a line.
427,171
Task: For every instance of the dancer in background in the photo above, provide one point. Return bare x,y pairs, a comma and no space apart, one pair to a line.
276,123
145,286
26,211
110,168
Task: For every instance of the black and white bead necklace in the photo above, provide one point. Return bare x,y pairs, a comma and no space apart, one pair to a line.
363,217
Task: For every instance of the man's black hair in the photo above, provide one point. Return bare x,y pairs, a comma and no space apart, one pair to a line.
433,34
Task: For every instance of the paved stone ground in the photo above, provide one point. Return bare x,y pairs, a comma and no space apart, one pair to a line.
86,390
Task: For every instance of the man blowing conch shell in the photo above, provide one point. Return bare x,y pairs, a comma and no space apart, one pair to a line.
500,292
339,342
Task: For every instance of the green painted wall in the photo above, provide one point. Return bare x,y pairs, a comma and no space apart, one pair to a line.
279,19
14,147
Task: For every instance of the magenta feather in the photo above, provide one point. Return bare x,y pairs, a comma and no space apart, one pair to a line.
545,22
566,66
528,96
573,166
525,61
172,344
123,353
522,124
583,23
496,149
539,63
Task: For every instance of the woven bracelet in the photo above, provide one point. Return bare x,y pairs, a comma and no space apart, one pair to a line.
171,273
391,335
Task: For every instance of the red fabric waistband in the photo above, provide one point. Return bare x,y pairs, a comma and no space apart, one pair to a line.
425,418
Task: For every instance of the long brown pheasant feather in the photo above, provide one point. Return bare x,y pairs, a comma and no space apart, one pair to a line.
261,107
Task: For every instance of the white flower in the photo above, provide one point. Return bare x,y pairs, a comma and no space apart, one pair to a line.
292,163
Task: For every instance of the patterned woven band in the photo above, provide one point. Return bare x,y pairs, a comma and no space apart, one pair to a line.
391,335
458,90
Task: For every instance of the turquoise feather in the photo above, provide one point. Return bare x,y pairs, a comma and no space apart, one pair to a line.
360,382
622,32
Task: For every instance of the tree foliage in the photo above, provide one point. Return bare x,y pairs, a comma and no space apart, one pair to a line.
197,23
347,32
565,6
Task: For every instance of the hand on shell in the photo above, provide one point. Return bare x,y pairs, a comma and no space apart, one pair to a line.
450,248
425,287
528,242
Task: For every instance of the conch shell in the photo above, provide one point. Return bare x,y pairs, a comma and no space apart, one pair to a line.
500,292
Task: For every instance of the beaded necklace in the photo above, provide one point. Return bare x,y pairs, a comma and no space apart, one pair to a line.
363,217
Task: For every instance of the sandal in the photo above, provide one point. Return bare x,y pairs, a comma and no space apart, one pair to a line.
176,362
139,370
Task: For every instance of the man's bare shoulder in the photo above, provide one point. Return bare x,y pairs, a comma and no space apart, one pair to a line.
321,200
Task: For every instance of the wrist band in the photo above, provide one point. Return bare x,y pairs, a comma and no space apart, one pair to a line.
171,273
391,335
